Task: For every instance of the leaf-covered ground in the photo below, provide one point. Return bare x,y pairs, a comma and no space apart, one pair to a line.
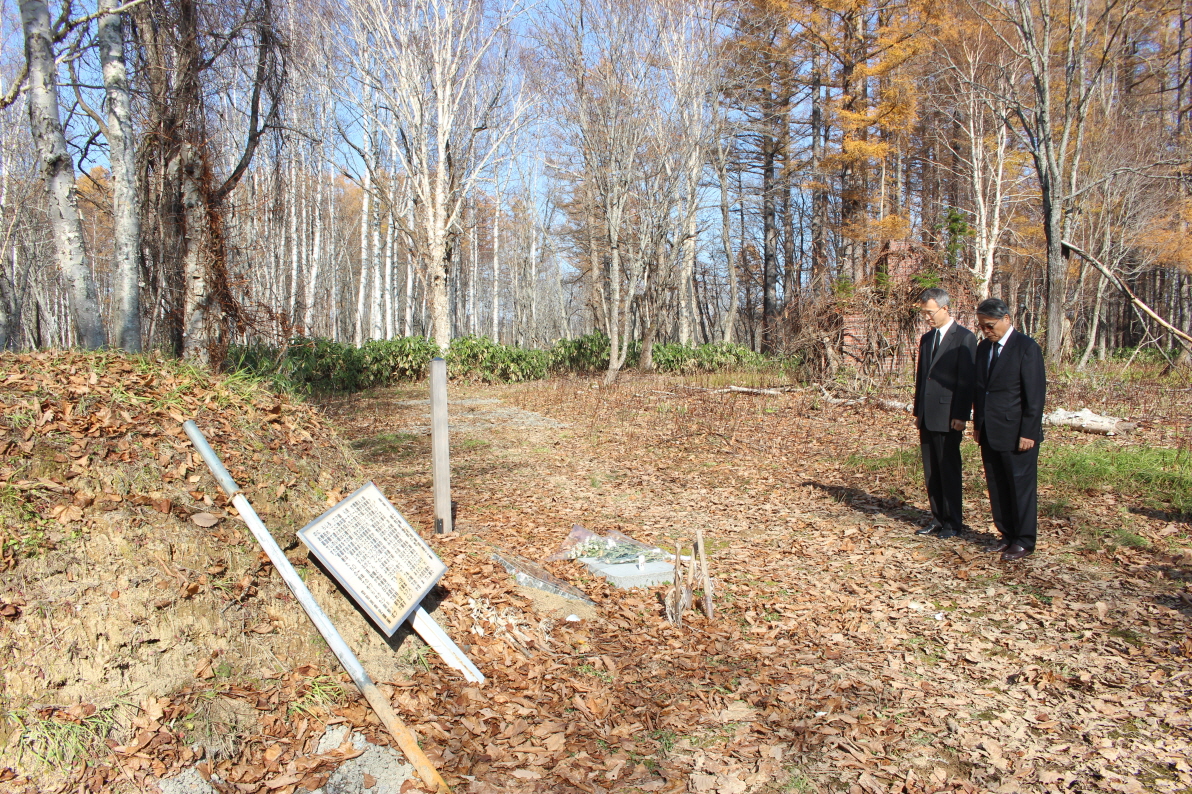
846,655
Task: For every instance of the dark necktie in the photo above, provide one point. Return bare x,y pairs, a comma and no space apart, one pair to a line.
997,346
936,344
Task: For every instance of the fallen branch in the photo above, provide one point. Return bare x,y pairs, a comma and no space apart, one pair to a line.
774,391
1182,337
890,405
1088,422
893,405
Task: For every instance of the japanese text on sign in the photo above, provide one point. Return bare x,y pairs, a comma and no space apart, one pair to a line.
375,554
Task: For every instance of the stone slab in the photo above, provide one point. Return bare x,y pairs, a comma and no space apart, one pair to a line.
386,765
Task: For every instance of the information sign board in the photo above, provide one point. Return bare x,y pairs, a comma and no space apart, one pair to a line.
375,554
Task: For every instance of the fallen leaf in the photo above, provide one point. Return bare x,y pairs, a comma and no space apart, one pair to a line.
204,520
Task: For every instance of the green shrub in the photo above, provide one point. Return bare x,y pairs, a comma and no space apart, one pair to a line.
308,366
389,361
584,354
480,358
705,358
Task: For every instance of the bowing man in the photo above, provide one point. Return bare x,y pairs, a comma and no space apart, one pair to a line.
1008,426
943,399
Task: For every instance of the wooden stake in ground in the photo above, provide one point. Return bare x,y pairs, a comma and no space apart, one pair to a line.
707,577
406,739
678,597
440,454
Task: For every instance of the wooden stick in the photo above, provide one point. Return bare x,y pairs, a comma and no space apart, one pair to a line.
405,738
703,567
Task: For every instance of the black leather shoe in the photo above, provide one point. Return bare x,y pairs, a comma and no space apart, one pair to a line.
930,529
997,548
1015,552
947,532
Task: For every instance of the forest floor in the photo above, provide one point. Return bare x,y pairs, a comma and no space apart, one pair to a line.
847,654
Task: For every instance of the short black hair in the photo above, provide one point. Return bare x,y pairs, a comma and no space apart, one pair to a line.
993,307
940,296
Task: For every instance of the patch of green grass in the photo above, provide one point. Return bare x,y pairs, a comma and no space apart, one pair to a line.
322,692
666,740
385,443
20,418
797,781
588,669
1055,508
1126,635
1157,476
59,739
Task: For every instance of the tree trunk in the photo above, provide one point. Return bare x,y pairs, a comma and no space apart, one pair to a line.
292,216
126,209
58,170
729,320
316,255
819,192
769,233
496,296
361,304
186,171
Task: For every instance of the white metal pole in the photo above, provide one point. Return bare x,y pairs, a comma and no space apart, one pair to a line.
405,738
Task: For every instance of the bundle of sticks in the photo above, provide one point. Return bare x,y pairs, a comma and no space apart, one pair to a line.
681,595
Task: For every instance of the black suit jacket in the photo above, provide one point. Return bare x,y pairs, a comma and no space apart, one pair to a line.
1009,401
944,384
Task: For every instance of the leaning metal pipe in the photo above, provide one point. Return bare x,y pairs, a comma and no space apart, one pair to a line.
406,740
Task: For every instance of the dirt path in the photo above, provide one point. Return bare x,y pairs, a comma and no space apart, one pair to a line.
849,655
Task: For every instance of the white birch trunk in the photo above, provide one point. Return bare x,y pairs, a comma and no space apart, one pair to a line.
376,311
390,239
316,255
126,210
292,216
496,296
407,315
473,270
362,292
58,171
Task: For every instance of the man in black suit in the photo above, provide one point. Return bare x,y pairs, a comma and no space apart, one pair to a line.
943,400
1008,425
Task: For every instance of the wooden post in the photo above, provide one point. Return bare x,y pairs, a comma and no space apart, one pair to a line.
440,455
707,578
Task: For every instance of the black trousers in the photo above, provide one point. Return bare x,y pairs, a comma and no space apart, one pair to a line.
1013,479
942,471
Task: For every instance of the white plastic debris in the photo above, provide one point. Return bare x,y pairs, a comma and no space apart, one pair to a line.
573,618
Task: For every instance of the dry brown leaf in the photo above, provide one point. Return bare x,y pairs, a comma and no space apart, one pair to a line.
204,520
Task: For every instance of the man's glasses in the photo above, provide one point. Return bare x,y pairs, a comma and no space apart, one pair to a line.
988,326
929,314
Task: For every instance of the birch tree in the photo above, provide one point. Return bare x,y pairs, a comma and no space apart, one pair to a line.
442,70
58,170
126,201
607,91
1063,51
